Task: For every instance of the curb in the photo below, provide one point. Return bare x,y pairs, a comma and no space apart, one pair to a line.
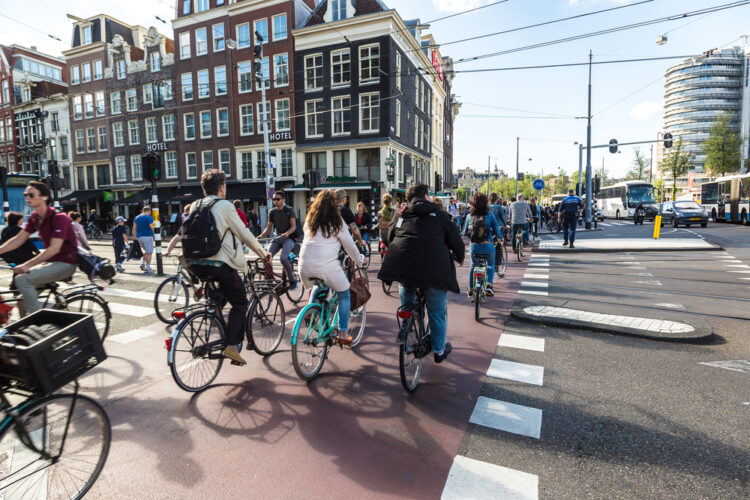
629,250
699,332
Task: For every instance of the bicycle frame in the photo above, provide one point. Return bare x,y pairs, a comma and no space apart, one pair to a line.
326,323
406,315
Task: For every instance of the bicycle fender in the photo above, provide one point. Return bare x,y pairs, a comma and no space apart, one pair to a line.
170,352
295,330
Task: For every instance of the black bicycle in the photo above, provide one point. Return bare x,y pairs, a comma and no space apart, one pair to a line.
414,341
501,257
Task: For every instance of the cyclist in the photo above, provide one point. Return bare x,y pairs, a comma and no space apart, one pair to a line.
14,226
283,220
93,220
483,227
535,217
386,216
498,211
570,208
520,213
319,256
364,224
143,232
75,219
348,216
224,266
423,242
55,230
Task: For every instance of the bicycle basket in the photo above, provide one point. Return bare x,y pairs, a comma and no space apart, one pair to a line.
48,349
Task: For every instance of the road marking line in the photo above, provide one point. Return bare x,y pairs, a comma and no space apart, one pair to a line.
744,266
538,284
647,275
475,479
507,417
130,310
517,372
741,272
532,292
536,276
648,282
521,342
131,336
670,306
129,294
736,365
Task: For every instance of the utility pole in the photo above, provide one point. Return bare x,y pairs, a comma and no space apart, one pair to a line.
6,205
588,151
270,179
489,173
580,169
518,141
651,166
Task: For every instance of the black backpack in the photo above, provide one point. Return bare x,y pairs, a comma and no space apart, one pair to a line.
200,236
478,232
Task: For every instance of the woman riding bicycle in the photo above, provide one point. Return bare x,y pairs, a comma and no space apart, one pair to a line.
483,227
325,233
364,223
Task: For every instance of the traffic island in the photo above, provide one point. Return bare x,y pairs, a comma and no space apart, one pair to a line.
650,328
610,245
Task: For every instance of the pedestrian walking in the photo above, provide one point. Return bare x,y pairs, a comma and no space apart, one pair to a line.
570,209
143,231
80,233
252,217
119,241
240,213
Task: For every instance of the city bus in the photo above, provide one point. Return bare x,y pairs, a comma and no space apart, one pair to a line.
16,185
557,198
728,198
620,200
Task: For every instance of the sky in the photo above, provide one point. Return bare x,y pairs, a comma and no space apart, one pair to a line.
543,107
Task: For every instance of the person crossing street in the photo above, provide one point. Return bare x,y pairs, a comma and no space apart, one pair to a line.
570,209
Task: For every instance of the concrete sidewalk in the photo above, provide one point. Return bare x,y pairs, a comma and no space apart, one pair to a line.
628,245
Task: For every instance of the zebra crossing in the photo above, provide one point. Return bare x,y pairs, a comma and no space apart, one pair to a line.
535,281
615,223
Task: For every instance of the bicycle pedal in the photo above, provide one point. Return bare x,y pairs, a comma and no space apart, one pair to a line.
237,363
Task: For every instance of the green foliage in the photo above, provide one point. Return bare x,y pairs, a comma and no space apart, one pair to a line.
723,148
676,164
639,166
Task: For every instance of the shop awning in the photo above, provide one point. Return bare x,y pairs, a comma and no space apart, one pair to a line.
247,191
79,197
186,194
354,186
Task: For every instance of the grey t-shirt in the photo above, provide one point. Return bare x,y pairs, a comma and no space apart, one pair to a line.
519,212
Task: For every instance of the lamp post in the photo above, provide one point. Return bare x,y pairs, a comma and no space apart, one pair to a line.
270,179
588,150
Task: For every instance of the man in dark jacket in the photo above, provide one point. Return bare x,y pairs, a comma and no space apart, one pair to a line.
422,245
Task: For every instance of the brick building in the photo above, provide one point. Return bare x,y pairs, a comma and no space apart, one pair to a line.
7,123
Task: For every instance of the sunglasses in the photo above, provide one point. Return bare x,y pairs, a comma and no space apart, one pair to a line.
277,199
29,195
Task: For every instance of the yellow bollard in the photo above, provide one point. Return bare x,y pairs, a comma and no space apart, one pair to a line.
657,226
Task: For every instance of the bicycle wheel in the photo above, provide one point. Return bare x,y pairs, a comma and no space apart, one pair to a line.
477,301
171,294
266,323
90,303
98,235
52,453
297,295
308,352
519,247
195,364
357,325
410,367
501,260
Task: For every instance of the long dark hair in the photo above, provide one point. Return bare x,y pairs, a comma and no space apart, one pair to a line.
479,204
324,214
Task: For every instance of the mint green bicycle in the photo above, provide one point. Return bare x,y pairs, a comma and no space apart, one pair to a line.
313,332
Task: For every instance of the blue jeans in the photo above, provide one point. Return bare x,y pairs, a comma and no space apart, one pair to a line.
343,299
286,245
569,227
366,239
487,249
437,311
513,230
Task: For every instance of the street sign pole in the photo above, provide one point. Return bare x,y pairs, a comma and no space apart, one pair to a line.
157,228
6,204
588,151
270,179
518,140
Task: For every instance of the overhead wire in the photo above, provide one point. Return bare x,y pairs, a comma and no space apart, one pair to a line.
58,39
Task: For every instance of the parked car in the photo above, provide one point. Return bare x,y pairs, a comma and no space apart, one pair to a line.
685,212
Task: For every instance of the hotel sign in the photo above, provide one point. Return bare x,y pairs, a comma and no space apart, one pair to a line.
437,64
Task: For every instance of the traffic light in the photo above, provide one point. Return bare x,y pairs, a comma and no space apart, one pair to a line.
613,146
311,179
375,186
597,184
667,140
151,165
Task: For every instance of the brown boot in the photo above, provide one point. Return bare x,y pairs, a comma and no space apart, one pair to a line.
232,353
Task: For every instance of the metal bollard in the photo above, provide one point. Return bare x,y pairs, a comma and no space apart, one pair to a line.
657,227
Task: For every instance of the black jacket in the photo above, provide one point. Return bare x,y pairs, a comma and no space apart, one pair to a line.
21,254
423,244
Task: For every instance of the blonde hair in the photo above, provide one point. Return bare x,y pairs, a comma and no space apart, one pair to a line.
387,199
361,205
439,202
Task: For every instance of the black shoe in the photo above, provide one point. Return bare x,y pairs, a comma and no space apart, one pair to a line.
572,246
439,358
565,243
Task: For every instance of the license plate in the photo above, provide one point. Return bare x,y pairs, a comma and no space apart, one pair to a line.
695,218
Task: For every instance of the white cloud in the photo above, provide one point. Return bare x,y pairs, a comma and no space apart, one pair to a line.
458,5
646,110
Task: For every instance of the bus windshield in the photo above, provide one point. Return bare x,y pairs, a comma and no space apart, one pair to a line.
641,193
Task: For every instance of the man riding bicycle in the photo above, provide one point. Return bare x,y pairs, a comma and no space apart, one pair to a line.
60,254
422,246
283,220
520,213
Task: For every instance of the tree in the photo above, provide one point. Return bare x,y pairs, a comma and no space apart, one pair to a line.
723,148
638,170
676,164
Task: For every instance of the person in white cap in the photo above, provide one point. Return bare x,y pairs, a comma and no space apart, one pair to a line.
119,241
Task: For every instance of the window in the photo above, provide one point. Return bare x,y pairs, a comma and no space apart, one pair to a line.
246,164
281,70
205,118
316,161
314,118
203,86
287,168
102,138
122,69
75,75
151,130
166,89
91,140
341,115
368,164
369,64
189,128
185,45
201,43
341,163
191,165
283,115
245,76
134,136
218,33
115,103
416,130
77,108
224,162
136,169
86,35
314,72
121,168
243,36
186,7
88,104
261,26
86,70
421,96
339,9
279,27
202,5
261,157
220,80
167,127
264,117
246,119
6,91
369,113
207,158
398,71
420,125
63,148
155,61
80,143
340,67
222,122
8,129
131,99
187,86
398,118
265,70
170,161
148,94
118,139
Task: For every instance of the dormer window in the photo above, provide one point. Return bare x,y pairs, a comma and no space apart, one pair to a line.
338,7
86,35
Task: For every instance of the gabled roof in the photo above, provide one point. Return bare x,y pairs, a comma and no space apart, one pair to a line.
361,7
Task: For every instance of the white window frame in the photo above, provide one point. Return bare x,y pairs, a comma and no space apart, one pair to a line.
245,167
99,136
185,51
136,174
277,70
100,103
155,61
171,167
240,42
336,65
217,70
166,121
314,115
204,164
88,104
148,93
337,106
182,87
218,40
398,118
86,68
85,40
118,133
362,108
245,68
151,127
363,59
75,75
137,140
131,93
201,114
194,164
255,28
281,118
265,114
115,97
228,170
168,90
201,50
219,121
202,5
77,108
121,168
337,9
398,70
80,142
122,69
315,68
265,73
286,27
250,116
200,85
100,68
185,126
91,134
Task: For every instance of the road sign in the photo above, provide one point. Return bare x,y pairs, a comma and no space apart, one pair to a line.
520,176
613,146
271,192
539,184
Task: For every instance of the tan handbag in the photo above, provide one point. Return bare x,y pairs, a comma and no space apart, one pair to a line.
359,290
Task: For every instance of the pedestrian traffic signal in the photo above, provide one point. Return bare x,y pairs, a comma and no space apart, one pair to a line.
613,146
375,185
667,140
151,165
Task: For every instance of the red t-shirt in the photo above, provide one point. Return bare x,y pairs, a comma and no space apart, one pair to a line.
59,226
242,216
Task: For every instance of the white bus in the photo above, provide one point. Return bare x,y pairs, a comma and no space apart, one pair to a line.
727,198
621,200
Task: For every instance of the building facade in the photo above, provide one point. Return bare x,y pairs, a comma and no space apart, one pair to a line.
7,123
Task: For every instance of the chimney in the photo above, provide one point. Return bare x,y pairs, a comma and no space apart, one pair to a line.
33,47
